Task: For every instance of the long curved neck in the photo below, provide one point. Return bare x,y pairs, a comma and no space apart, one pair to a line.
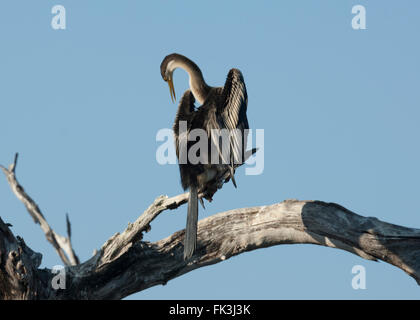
198,86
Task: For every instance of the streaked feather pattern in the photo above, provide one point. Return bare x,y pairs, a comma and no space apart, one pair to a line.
221,108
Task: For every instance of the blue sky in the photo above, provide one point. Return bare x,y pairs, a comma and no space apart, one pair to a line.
339,107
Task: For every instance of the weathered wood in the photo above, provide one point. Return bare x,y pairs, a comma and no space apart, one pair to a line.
60,243
126,264
20,278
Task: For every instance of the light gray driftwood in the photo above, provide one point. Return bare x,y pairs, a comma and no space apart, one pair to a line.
127,264
61,244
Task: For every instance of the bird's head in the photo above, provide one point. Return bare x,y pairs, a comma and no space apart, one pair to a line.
167,67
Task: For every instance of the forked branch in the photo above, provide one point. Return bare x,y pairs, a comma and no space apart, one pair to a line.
127,264
60,243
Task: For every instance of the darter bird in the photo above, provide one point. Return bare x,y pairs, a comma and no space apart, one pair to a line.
220,108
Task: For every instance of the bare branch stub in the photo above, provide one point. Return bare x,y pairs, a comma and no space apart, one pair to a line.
61,244
126,263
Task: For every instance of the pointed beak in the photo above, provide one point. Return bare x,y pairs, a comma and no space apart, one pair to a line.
171,89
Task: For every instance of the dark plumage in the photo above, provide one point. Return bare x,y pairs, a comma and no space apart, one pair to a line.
221,108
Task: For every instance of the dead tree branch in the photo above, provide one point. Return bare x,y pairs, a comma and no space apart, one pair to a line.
127,264
19,273
60,243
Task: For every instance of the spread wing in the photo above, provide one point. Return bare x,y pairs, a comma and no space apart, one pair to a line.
233,114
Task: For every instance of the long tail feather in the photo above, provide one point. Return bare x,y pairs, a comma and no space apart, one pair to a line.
190,242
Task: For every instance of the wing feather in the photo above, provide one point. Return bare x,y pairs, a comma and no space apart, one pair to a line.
186,110
185,113
233,114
